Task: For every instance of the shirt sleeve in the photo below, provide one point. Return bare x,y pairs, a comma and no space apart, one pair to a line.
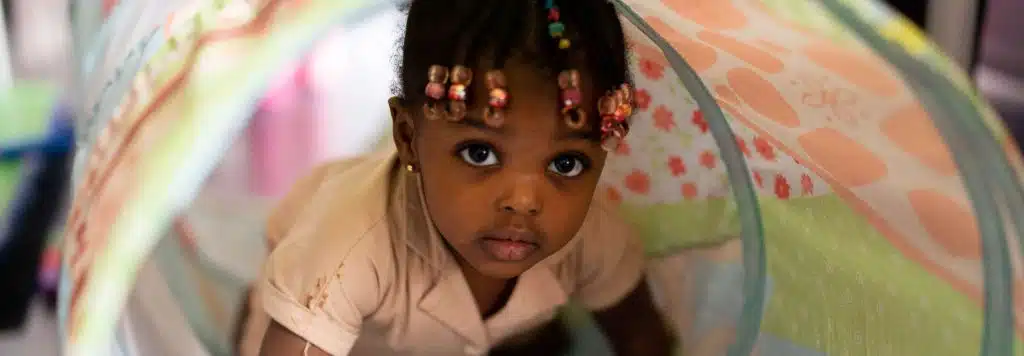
321,279
323,306
613,260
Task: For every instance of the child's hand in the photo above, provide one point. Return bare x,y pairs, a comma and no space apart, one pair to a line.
634,327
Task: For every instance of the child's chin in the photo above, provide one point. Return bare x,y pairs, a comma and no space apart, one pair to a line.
503,270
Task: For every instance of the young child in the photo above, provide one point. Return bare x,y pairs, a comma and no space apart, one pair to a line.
469,233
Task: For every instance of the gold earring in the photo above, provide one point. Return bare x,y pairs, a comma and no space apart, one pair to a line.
410,168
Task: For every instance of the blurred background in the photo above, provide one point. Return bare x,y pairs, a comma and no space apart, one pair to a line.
37,44
981,35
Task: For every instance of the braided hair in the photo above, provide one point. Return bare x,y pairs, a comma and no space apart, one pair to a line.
467,32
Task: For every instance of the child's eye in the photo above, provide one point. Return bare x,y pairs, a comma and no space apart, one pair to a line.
479,155
567,166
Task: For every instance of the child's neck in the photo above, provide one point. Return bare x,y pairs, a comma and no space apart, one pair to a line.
491,294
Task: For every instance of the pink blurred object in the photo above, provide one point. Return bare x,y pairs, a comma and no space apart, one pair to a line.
49,268
282,135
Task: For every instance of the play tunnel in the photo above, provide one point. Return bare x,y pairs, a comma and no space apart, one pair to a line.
810,177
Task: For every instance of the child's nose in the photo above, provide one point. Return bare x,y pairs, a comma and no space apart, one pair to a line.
522,196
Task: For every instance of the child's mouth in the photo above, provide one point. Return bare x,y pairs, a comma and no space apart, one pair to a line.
508,250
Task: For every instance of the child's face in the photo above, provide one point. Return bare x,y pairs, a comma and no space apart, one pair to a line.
505,199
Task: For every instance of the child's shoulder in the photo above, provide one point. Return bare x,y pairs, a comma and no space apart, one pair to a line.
603,221
604,234
339,187
331,224
608,261
336,211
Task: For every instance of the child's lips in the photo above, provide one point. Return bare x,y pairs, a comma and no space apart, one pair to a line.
508,250
513,234
510,245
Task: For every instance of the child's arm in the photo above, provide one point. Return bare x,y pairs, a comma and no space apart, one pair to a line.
635,327
321,280
279,341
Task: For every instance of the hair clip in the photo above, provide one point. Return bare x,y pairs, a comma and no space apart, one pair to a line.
615,107
458,91
572,97
437,77
497,100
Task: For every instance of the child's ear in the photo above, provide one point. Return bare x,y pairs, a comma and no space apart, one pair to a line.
403,131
